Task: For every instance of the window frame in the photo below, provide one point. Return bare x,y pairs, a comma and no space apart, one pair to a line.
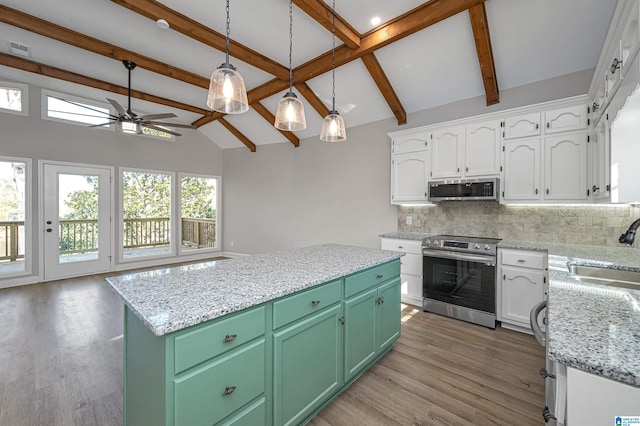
173,235
24,97
90,102
28,217
218,241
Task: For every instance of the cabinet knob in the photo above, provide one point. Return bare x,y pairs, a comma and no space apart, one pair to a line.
399,247
615,65
341,320
595,189
537,126
521,261
466,169
229,338
228,390
458,168
548,125
536,191
504,277
379,276
380,300
547,191
49,229
315,302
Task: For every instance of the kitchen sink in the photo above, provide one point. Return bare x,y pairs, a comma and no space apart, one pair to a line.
606,276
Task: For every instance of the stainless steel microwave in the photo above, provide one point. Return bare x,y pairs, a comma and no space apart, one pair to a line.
464,190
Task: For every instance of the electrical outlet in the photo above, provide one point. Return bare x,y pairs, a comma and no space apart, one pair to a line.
232,243
409,220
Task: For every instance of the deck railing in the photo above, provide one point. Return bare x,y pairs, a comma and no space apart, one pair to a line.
81,236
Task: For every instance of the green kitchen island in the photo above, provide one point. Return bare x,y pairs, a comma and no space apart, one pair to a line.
268,339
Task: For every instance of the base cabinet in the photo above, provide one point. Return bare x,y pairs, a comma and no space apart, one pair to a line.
274,364
410,268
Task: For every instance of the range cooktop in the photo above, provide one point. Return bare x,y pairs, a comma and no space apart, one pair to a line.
461,243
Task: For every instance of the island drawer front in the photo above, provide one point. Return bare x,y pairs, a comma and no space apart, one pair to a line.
252,415
197,346
370,278
523,258
214,391
300,305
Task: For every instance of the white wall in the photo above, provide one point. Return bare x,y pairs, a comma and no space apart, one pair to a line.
38,139
281,197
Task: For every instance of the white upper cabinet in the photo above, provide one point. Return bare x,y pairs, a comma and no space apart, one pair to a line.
566,167
630,40
482,149
599,161
565,119
522,170
447,151
522,126
410,167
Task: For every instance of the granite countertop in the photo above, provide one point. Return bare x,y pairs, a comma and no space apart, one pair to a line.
416,236
170,299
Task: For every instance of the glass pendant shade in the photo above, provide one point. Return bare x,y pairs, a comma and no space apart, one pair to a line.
333,129
227,92
290,113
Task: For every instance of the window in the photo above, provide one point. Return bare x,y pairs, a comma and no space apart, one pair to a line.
14,98
146,206
14,215
199,199
70,109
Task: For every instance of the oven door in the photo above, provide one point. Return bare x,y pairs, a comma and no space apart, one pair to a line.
460,279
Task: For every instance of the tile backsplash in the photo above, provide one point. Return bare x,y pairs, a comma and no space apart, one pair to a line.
580,224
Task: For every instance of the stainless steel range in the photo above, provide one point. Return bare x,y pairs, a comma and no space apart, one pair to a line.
459,277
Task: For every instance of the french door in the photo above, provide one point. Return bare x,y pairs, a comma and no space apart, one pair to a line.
77,224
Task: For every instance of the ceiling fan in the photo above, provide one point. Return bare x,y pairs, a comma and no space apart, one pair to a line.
135,123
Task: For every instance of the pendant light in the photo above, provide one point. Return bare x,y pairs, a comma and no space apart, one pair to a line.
333,124
227,93
290,113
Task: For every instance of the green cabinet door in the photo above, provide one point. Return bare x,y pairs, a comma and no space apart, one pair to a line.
388,313
307,365
361,346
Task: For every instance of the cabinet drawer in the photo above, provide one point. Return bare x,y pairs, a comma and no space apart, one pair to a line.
524,258
194,347
300,305
254,414
361,281
411,264
209,394
404,246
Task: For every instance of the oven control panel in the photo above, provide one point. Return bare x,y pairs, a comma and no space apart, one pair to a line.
462,244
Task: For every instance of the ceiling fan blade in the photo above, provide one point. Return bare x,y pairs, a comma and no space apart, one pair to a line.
106,114
160,129
149,117
103,124
118,108
161,123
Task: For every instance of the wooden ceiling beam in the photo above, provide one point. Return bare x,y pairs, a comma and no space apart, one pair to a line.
60,74
245,140
155,10
267,115
320,12
384,85
480,26
313,99
64,35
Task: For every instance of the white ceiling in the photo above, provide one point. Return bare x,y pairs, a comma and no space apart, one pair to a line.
531,40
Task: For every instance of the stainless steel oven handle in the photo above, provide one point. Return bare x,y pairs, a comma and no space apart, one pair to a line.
540,336
459,256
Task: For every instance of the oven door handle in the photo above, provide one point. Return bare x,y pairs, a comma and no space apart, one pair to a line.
459,256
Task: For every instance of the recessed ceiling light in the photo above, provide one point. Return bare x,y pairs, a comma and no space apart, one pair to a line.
375,20
162,24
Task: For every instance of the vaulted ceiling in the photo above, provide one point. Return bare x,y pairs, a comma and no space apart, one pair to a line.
421,55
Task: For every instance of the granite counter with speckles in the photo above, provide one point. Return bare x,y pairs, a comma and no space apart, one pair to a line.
170,299
415,236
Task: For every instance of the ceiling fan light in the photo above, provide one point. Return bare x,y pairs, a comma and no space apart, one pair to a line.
227,92
290,113
128,127
333,129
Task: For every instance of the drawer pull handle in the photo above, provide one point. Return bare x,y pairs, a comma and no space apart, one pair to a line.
379,276
229,338
315,302
521,261
228,390
399,247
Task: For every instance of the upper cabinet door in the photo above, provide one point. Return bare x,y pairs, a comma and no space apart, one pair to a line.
521,126
522,170
482,149
566,167
446,152
566,119
409,175
412,142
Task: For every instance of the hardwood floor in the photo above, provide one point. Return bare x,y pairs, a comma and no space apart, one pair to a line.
61,364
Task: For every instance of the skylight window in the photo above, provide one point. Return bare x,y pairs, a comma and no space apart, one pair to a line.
13,98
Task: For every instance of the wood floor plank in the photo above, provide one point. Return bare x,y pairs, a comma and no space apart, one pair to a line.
61,356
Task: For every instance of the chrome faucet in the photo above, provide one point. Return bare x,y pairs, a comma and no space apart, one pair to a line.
628,237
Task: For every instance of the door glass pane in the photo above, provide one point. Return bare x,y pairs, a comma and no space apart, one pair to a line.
78,216
146,202
198,207
12,216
